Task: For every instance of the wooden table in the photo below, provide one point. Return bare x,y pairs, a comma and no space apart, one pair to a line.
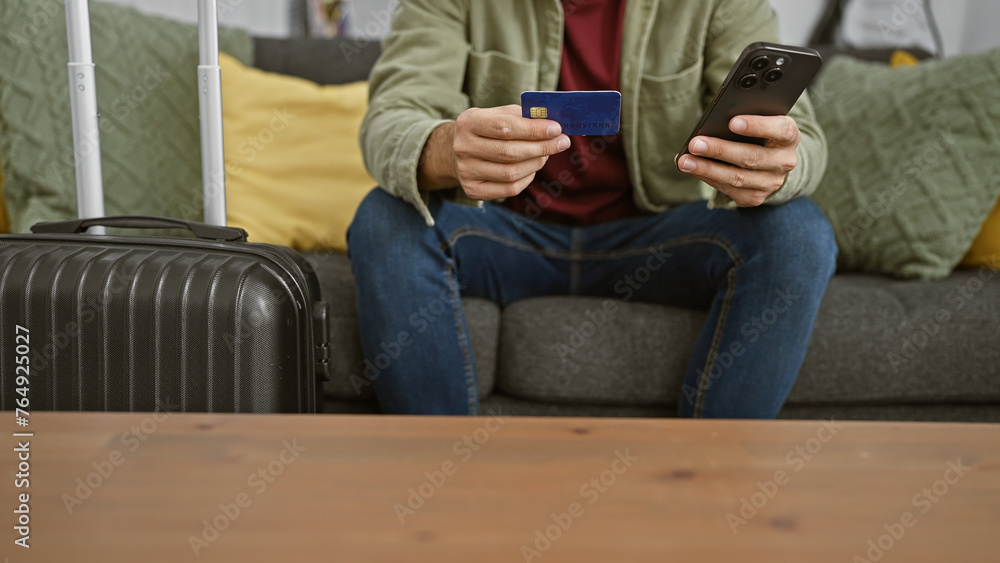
134,487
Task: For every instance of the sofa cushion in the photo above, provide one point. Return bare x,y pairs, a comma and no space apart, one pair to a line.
886,340
876,340
347,378
573,349
913,162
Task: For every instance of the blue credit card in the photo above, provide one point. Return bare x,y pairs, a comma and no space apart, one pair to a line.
579,113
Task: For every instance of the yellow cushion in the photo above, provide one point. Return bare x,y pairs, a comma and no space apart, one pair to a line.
4,219
294,171
903,58
986,248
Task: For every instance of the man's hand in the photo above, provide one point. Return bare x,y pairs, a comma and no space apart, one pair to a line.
491,153
747,173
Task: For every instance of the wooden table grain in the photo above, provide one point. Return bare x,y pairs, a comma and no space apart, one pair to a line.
186,487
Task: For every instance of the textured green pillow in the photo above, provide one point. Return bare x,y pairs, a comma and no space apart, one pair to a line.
914,164
147,95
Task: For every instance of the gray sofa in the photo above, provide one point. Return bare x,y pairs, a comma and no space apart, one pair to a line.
882,348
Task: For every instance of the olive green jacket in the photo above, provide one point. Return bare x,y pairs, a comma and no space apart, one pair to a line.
445,56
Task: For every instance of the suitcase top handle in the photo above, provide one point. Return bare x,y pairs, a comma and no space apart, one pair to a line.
200,230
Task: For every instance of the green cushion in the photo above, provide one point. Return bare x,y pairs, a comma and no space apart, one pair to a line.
914,168
146,82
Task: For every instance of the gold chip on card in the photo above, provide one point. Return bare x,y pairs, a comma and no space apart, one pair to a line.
539,113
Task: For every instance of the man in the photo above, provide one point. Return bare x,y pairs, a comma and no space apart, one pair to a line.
576,216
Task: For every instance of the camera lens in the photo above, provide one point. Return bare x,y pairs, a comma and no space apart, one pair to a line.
760,63
748,81
773,75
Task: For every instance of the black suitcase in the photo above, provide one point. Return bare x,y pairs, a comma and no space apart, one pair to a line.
124,323
131,323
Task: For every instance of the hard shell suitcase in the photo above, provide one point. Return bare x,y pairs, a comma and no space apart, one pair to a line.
93,322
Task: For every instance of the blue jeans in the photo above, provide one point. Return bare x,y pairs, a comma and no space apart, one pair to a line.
760,272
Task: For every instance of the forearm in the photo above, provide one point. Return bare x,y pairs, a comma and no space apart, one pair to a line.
415,89
436,170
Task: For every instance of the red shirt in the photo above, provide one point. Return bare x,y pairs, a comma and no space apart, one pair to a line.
589,182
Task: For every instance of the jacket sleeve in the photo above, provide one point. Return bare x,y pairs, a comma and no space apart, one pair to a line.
736,24
416,86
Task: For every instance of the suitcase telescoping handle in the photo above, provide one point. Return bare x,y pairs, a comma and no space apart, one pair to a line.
200,230
86,127
83,105
213,162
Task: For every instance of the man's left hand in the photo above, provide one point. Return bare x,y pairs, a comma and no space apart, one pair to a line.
747,173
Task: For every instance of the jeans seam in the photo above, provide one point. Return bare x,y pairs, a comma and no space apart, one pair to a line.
464,232
599,255
672,243
706,375
463,339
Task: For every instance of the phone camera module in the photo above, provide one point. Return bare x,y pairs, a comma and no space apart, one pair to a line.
760,63
773,75
748,81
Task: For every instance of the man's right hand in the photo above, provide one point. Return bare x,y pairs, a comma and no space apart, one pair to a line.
491,153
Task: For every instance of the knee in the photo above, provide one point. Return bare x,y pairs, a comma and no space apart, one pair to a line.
389,237
380,219
798,238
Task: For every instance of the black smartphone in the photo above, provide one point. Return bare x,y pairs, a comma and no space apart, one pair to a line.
766,80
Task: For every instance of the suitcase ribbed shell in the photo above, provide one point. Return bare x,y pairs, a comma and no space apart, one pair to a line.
146,324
